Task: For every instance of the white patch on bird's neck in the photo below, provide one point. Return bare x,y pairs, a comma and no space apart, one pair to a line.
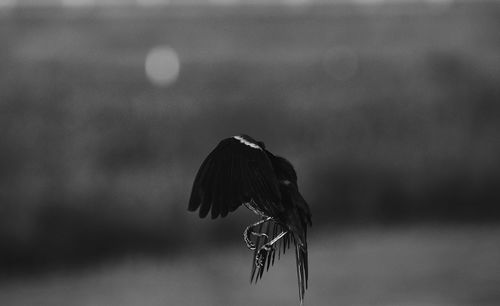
247,143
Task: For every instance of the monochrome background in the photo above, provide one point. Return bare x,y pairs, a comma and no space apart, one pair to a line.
389,111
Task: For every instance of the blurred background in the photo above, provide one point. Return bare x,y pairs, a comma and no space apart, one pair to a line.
389,111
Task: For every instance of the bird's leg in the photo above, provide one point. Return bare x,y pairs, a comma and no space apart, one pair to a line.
266,248
248,231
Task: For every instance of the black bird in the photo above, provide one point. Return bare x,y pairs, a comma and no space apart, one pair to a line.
241,171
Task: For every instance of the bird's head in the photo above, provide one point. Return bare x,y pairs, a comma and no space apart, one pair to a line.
284,170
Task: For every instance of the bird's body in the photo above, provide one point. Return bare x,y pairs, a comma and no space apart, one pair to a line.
241,171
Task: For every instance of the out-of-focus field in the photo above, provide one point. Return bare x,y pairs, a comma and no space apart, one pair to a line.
404,267
389,113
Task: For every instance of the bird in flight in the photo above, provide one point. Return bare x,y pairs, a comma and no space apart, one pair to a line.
241,171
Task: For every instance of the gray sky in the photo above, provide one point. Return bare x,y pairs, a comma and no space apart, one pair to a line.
76,3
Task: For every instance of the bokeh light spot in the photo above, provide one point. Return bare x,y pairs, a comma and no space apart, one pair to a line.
162,66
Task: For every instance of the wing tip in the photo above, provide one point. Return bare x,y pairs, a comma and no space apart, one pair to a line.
193,206
204,210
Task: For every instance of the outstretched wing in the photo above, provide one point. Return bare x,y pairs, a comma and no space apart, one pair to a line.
235,172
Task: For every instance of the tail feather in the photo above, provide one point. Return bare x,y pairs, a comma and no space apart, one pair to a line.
302,269
298,238
271,229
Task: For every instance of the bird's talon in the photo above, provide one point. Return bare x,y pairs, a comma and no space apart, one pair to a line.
249,243
259,259
264,235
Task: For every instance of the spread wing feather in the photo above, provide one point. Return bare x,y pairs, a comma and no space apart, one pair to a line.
235,172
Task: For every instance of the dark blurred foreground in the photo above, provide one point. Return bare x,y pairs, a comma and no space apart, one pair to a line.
414,266
389,113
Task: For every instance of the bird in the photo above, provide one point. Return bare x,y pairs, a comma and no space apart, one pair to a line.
240,171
